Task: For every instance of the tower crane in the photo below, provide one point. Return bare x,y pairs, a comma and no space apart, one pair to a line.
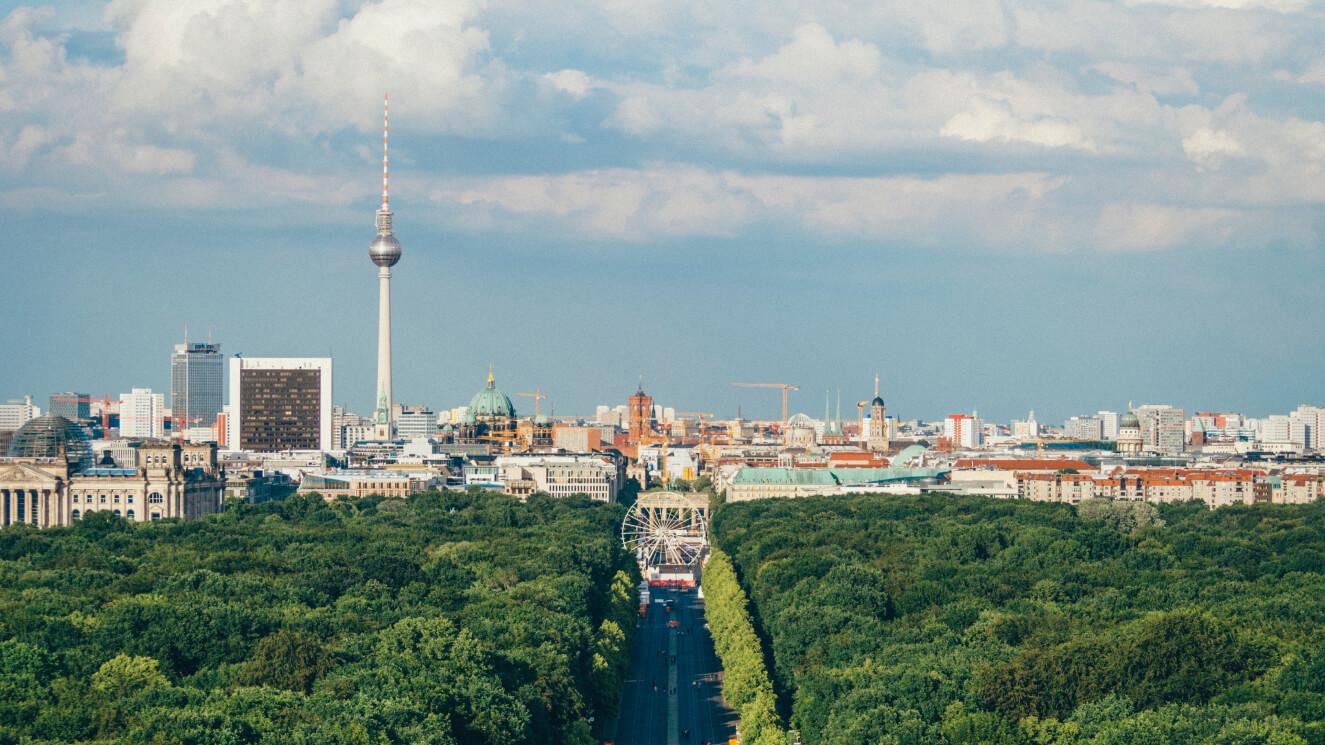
539,396
786,388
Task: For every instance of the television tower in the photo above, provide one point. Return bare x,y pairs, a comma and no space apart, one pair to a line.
385,252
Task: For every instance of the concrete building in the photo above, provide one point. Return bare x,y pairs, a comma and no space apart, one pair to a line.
1108,424
355,484
1313,420
1163,428
577,439
70,405
668,463
1028,429
1084,428
143,414
1300,488
280,403
16,413
415,422
197,387
964,430
43,484
596,476
1284,433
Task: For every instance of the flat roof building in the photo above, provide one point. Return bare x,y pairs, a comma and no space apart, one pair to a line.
280,403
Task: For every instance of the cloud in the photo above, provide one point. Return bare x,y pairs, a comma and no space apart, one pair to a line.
1208,147
1148,227
984,120
1068,123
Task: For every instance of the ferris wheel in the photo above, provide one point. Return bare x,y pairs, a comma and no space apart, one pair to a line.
666,528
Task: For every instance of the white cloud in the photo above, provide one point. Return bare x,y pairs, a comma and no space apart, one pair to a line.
575,83
1149,227
984,120
1209,147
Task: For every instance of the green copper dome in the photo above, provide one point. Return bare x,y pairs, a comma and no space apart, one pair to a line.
489,403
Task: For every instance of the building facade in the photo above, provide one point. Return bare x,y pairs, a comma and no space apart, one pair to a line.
172,481
280,403
197,386
143,414
597,477
15,414
1163,428
70,405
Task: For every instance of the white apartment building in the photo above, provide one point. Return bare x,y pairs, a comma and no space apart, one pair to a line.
1280,432
1313,418
15,414
1300,488
1083,428
1108,424
143,414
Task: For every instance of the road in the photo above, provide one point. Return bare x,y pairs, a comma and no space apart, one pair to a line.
651,714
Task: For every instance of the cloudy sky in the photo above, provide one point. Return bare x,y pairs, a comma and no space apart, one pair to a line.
1000,206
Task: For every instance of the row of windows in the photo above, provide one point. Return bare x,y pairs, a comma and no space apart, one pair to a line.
153,498
127,515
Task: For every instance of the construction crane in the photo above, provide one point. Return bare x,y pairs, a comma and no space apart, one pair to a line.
539,396
786,388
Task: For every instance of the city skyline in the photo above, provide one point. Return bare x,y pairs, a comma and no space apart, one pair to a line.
1081,226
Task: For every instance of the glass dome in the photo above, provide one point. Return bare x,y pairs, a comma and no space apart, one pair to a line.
50,436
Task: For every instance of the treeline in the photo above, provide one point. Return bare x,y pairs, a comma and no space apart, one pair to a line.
448,618
746,685
964,620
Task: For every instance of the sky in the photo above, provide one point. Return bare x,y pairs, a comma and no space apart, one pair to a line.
998,206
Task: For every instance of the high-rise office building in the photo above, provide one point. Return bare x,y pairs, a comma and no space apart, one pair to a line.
71,406
280,403
197,386
384,252
143,414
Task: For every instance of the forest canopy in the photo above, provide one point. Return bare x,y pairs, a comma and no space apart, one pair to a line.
450,618
967,620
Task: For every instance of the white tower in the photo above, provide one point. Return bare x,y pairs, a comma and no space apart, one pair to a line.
385,252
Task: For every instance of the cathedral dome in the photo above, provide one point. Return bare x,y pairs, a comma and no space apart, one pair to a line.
488,404
1129,420
52,436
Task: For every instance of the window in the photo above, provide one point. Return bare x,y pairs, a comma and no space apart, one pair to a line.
156,515
76,515
129,514
155,498
117,513
128,498
103,498
117,499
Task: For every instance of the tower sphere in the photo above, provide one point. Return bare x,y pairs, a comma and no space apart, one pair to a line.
385,250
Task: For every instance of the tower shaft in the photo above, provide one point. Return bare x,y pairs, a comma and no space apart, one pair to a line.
382,415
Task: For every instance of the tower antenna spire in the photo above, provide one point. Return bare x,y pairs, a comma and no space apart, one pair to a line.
386,160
